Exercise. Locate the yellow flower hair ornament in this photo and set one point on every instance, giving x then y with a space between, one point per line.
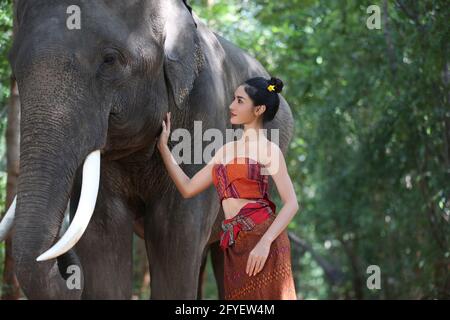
271 87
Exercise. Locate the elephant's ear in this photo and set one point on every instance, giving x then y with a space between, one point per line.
183 56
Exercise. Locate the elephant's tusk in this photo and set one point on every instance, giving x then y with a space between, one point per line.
8 220
86 205
66 221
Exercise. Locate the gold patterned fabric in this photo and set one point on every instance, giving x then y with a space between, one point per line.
275 280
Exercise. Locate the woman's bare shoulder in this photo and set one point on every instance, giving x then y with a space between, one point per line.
271 157
223 150
267 149
274 148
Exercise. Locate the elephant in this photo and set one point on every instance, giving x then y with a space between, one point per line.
93 100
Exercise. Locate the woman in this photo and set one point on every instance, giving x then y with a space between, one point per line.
257 261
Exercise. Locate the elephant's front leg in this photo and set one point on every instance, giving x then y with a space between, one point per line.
105 249
176 233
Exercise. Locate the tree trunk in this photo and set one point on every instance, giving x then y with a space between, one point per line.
10 288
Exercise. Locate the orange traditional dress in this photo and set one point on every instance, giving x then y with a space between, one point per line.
240 234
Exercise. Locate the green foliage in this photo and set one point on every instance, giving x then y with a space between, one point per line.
5 44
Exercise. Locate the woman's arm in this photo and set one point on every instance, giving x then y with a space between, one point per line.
188 187
278 170
280 175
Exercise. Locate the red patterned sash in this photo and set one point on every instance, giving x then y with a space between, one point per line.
250 215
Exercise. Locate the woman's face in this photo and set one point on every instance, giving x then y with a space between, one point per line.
242 109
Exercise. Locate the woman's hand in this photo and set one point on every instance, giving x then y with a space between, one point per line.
165 133
258 257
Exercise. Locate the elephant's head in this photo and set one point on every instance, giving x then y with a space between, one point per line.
101 89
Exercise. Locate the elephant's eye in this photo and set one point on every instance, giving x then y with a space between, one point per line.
112 65
109 59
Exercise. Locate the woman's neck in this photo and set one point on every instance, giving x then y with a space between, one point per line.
252 134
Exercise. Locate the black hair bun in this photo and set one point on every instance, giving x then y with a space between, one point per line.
278 84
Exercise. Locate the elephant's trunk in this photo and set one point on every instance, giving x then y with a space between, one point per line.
58 131
44 186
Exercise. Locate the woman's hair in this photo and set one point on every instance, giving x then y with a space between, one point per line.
257 90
